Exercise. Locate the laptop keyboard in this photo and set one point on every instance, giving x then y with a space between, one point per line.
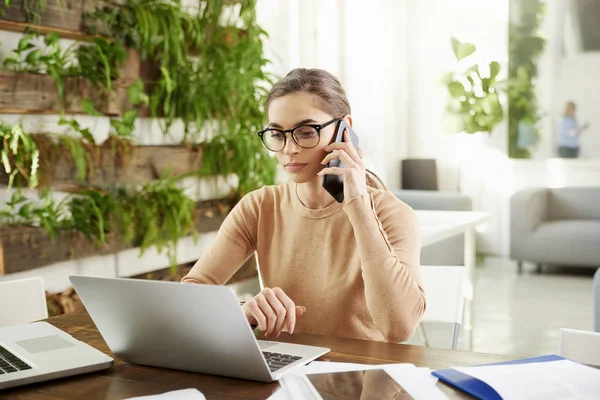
11 363
277 361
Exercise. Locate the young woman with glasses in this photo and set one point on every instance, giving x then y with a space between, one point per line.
346 269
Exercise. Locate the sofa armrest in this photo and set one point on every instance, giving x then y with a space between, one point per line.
434 200
528 210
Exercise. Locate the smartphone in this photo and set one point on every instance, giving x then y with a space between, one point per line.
334 184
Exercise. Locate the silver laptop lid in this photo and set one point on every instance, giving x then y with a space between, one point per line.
198 328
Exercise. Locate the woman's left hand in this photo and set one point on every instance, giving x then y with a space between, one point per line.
353 170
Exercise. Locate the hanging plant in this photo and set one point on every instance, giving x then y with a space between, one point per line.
20 156
525 46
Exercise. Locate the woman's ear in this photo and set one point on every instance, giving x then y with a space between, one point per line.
348 119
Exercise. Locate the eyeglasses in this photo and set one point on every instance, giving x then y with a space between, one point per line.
306 136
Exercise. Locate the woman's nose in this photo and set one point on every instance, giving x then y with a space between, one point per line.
290 146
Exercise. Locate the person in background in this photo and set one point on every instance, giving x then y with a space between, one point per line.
569 131
346 269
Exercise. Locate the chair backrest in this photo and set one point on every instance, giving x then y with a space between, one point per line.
22 301
579 346
444 292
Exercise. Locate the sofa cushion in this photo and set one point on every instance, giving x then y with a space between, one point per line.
576 232
571 242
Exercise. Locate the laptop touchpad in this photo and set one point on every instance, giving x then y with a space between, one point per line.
43 344
265 345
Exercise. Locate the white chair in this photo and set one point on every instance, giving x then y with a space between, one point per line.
579 346
445 294
22 301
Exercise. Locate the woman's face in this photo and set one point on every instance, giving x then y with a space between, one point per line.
287 112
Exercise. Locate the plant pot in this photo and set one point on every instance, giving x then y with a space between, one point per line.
113 163
30 247
27 93
54 15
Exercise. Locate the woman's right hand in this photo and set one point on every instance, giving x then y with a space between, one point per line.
273 311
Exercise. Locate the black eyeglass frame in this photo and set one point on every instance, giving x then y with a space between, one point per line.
291 131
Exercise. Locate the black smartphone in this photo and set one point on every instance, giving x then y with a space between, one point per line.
334 184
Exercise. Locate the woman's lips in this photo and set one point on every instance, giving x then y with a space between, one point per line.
294 167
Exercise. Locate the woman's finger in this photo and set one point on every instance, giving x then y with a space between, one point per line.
350 149
257 314
279 308
333 171
290 308
270 315
342 155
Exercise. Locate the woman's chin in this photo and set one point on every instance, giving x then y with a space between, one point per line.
302 178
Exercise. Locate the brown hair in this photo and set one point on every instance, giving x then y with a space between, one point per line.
330 93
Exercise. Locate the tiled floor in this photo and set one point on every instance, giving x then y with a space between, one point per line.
520 315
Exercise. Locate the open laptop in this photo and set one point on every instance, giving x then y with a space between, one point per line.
197 328
39 352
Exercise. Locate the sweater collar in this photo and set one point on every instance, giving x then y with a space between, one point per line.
312 213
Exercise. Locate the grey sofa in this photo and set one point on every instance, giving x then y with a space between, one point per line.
556 226
450 251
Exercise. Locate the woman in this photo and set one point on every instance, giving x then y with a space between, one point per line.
569 131
341 269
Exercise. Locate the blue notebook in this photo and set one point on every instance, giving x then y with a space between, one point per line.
480 389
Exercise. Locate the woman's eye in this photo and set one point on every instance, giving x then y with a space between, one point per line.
306 132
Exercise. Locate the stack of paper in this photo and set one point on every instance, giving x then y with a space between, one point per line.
557 379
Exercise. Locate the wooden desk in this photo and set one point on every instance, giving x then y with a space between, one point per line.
127 380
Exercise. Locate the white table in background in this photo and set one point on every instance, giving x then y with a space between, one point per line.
436 226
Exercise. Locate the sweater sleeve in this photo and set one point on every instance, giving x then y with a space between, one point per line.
389 244
235 242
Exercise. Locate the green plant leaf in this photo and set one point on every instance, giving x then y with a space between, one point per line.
130 116
33 57
88 108
462 49
51 39
456 89
494 69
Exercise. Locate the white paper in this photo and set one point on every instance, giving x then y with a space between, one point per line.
185 394
561 379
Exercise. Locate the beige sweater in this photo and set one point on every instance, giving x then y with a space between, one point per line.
354 266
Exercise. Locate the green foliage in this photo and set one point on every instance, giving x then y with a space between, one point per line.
20 156
125 126
73 124
46 213
222 87
97 61
79 156
157 214
474 105
525 48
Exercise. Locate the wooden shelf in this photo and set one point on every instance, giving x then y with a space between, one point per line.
23 248
20 27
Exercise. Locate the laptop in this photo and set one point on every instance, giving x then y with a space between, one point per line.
39 352
188 327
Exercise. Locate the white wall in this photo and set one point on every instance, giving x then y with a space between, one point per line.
363 44
431 25
566 74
